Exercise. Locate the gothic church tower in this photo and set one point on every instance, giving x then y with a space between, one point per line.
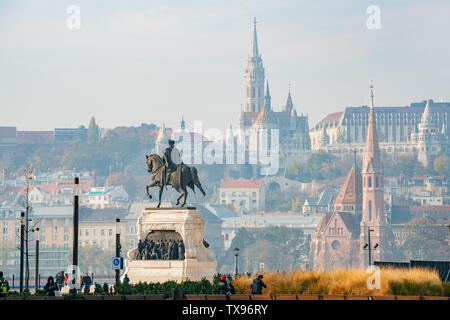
254 75
373 217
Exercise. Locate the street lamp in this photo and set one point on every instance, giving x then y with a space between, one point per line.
22 235
36 274
76 196
368 247
236 253
118 247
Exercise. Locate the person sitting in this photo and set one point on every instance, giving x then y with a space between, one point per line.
171 160
229 288
51 287
222 284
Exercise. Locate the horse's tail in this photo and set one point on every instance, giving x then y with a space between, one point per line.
195 180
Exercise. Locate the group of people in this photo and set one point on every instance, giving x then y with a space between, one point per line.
226 288
160 250
53 287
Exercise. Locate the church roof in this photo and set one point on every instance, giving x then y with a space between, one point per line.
351 223
289 104
265 116
251 184
351 190
323 223
372 158
332 117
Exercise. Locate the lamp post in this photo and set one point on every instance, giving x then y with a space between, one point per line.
118 247
76 195
22 234
368 245
29 176
36 273
236 253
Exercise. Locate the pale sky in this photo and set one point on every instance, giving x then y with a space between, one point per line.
152 61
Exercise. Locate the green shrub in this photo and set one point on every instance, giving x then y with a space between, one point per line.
407 287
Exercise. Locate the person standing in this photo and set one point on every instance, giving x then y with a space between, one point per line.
60 279
66 279
50 287
87 283
126 280
4 286
257 285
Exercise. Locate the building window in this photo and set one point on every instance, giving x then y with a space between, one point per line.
370 210
376 182
102 232
87 232
370 182
110 232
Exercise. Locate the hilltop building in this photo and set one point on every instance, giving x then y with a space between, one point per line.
420 128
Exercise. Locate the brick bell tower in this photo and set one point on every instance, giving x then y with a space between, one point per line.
373 217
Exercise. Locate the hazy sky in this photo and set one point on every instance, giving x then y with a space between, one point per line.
150 61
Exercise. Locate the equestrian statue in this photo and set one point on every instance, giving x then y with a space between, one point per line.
171 171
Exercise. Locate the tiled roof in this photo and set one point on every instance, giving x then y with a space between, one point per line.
7 132
351 191
332 117
35 136
350 222
251 184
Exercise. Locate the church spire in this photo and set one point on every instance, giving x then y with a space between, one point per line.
268 98
255 40
183 124
289 104
372 159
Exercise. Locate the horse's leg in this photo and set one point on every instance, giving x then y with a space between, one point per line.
185 196
160 195
178 199
151 185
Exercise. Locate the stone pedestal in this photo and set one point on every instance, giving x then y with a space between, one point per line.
198 262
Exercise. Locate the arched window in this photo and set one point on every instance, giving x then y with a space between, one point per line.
370 182
370 210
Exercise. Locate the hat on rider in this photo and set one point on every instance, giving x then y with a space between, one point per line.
171 142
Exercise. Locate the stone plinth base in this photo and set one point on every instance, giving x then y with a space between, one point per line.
198 260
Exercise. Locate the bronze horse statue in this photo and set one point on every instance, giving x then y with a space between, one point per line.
184 176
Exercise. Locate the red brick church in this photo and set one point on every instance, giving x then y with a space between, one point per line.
341 238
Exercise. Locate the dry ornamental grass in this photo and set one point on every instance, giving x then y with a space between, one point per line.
413 281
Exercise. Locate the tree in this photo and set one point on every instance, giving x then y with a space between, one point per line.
92 133
442 165
426 240
280 248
